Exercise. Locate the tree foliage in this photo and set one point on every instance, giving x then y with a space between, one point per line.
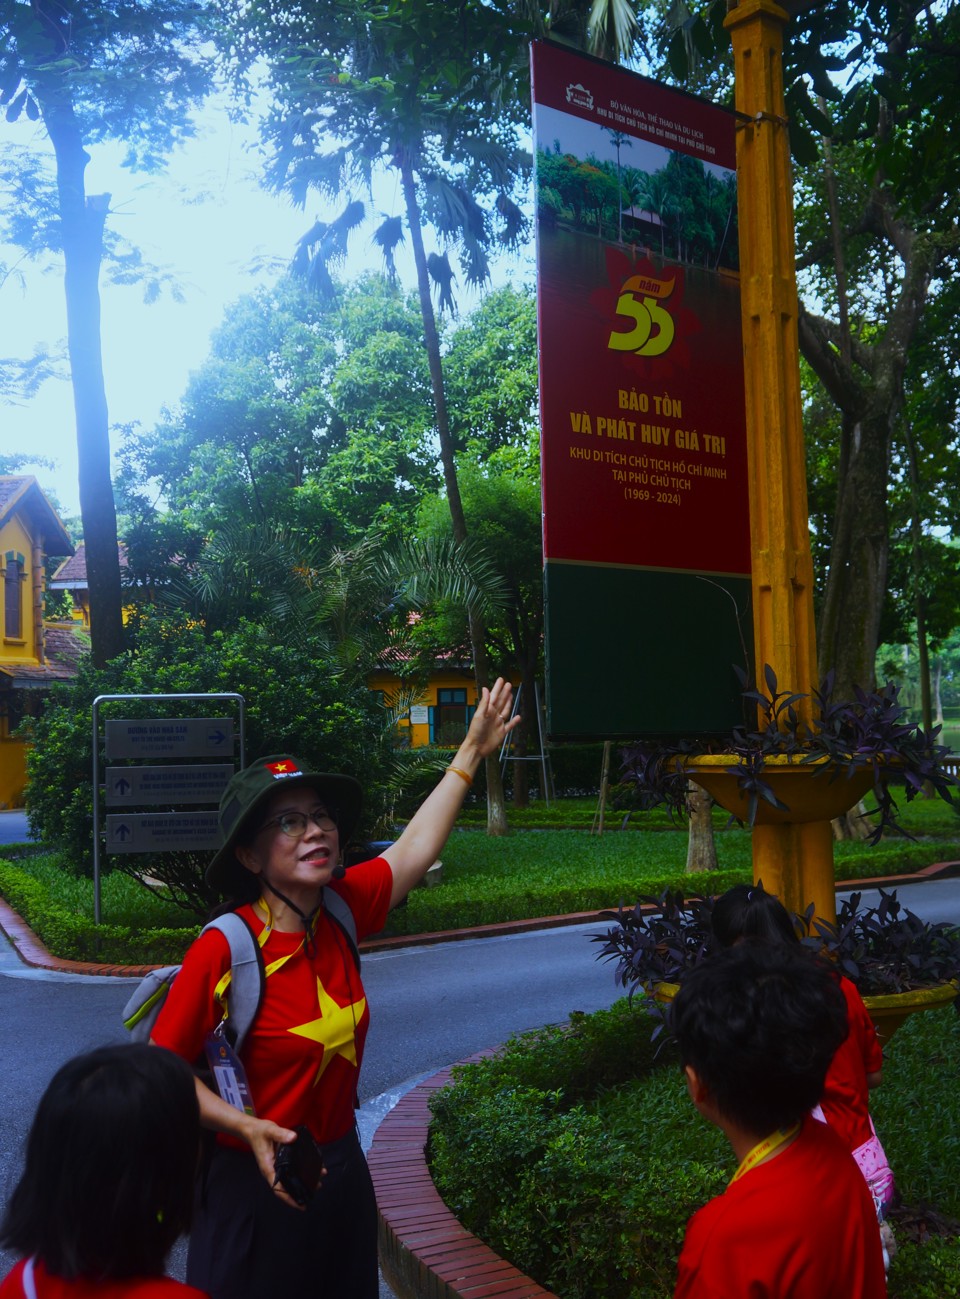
296 702
309 414
870 109
92 71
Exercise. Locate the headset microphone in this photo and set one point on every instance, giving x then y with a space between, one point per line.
338 872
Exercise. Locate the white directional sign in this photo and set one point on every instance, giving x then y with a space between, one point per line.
187 783
163 832
172 737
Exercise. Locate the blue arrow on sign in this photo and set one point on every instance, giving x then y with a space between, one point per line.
217 737
122 831
122 785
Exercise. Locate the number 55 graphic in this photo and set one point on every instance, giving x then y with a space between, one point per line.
652 325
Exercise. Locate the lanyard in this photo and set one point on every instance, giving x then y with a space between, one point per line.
220 991
763 1148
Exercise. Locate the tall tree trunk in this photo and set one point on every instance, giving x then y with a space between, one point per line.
701 844
856 581
496 804
920 598
869 393
82 220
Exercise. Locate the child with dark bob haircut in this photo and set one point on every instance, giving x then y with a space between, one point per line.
108 1180
749 912
757 1027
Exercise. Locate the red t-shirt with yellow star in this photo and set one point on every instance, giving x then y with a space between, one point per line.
303 1054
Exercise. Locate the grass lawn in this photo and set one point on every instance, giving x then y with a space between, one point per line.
531 872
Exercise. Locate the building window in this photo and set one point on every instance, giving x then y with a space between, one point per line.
13 575
450 717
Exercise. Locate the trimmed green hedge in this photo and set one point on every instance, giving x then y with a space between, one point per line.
559 872
486 880
853 860
577 1154
528 1160
576 773
75 937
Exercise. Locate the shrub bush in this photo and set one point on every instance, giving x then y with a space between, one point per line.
75 938
296 702
539 1172
577 1154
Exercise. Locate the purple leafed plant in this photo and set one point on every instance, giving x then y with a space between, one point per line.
870 731
882 949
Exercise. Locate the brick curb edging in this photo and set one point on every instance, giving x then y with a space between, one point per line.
32 951
425 1252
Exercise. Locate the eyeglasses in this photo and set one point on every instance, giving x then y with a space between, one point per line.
294 824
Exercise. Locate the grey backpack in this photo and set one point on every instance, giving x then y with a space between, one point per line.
246 974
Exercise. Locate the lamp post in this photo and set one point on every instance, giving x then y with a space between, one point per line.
795 861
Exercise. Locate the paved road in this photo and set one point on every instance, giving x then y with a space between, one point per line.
13 827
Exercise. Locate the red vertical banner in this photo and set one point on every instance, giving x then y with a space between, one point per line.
645 490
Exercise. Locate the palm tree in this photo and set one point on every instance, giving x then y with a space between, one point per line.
619 141
354 603
654 198
605 28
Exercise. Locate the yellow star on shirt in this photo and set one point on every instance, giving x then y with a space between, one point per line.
335 1030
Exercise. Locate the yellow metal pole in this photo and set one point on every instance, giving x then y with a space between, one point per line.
794 861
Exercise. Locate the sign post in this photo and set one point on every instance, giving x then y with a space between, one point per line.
141 739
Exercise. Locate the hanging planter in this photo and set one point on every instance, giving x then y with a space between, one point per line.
794 768
795 789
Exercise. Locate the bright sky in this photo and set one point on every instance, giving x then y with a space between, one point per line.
219 234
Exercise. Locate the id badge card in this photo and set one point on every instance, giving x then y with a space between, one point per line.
228 1072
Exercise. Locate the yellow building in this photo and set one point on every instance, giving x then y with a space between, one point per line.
442 713
33 653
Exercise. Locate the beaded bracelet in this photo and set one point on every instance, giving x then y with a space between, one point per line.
457 771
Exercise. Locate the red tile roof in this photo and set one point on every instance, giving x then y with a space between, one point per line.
63 647
72 573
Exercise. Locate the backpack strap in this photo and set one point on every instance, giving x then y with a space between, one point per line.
338 909
247 976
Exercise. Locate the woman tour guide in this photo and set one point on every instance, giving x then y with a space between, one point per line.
284 830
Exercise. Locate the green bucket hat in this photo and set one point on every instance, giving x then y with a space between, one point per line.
249 789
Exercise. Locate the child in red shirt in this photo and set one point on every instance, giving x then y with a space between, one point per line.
747 911
108 1182
756 1027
